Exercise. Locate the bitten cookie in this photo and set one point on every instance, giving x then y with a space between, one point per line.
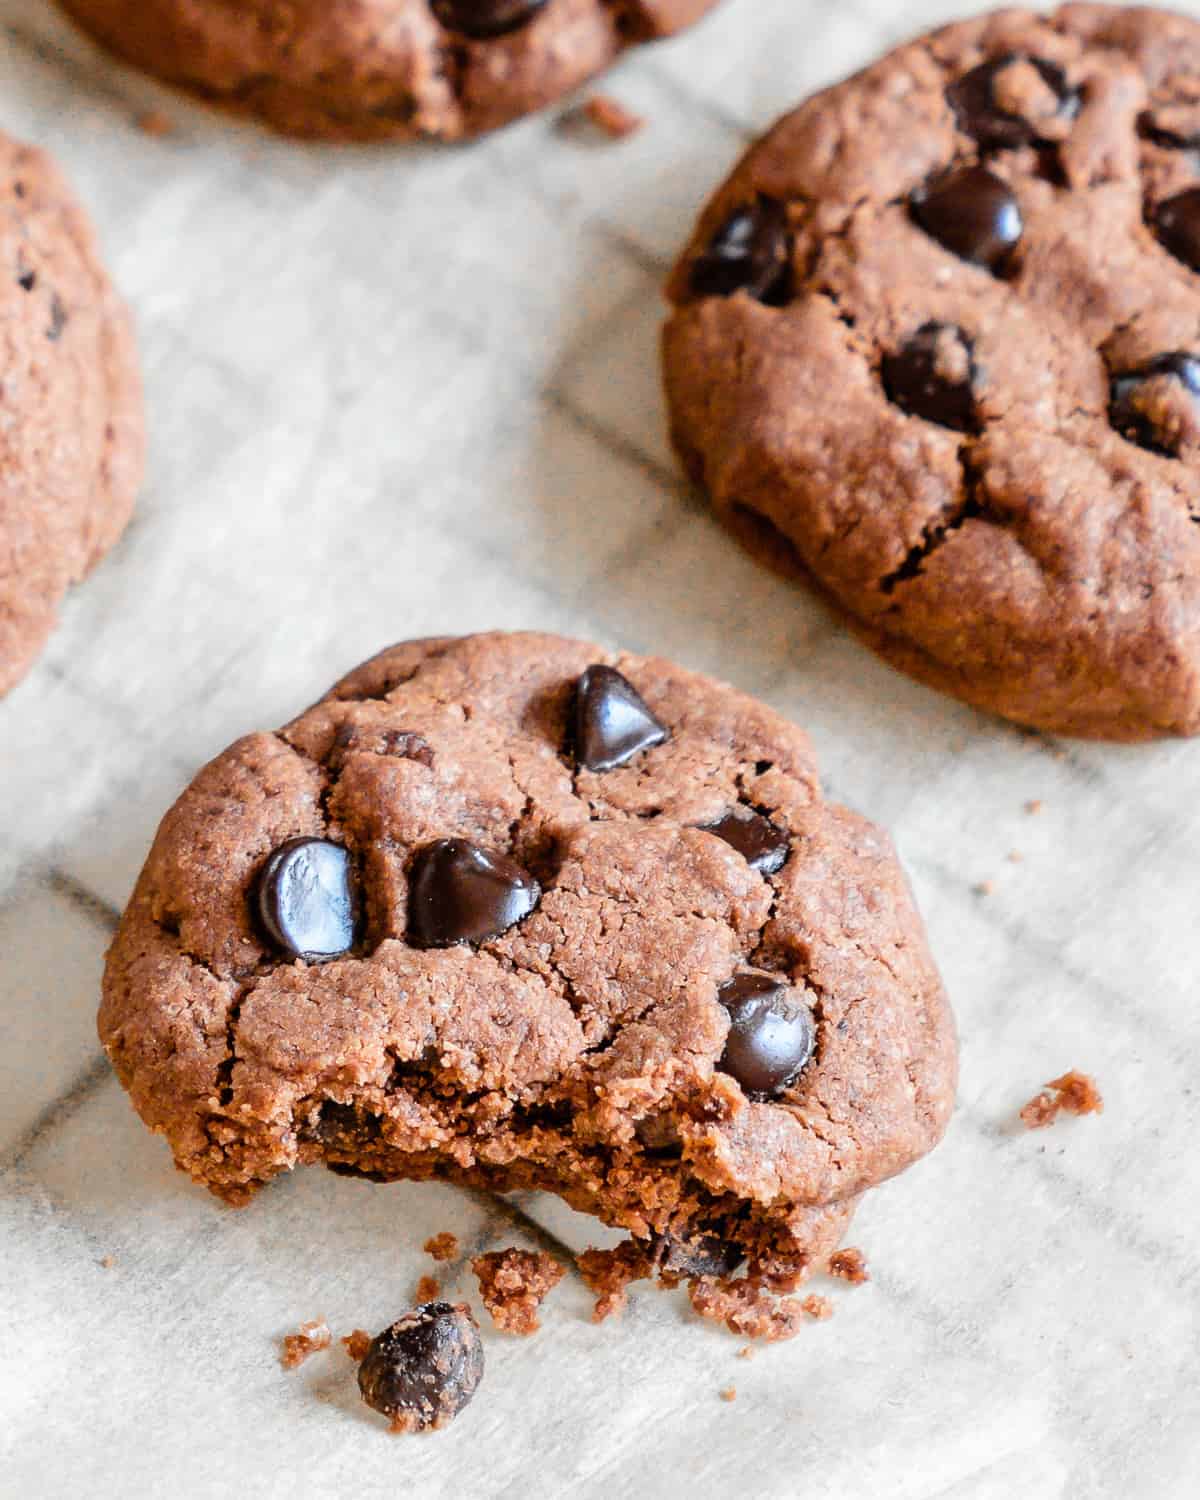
937 344
379 69
71 440
517 912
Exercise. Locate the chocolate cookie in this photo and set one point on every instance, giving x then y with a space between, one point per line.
380 69
936 343
71 440
513 911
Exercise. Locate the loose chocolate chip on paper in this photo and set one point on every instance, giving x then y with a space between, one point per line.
460 893
423 1370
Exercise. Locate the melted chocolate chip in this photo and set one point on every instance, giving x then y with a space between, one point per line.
306 899
933 376
704 1255
771 1035
1136 413
973 99
611 721
1177 225
460 893
762 844
481 19
424 1369
751 252
973 213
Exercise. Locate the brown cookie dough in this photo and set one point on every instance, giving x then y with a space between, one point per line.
683 992
936 344
71 441
379 69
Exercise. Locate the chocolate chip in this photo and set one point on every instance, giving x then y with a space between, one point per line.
933 376
1144 404
1149 129
27 280
762 844
973 213
751 252
771 1035
306 899
424 1369
1177 225
611 721
703 1255
481 19
460 893
980 115
58 318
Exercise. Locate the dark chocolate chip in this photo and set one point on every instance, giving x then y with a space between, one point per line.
1136 413
771 1035
751 252
611 721
27 280
306 899
460 893
973 99
1149 129
933 376
1177 225
424 1369
481 19
973 213
703 1255
762 844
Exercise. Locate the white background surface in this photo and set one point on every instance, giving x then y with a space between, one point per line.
407 392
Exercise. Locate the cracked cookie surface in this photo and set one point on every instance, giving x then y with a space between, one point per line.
71 441
581 1041
936 344
380 69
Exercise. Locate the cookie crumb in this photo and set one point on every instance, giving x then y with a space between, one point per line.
747 1309
429 1289
442 1246
849 1265
1015 857
984 888
308 1340
608 1273
1034 807
747 1351
729 1393
155 122
611 118
514 1284
820 1309
1074 1092
357 1344
107 1262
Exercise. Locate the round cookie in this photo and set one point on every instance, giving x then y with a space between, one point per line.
517 912
360 70
936 344
71 441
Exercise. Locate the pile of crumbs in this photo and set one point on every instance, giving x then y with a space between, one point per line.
513 1285
746 1308
1075 1093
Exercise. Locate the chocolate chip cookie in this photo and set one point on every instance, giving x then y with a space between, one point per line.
516 912
936 344
71 439
379 69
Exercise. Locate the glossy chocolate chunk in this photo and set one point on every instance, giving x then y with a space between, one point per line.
1177 225
762 844
933 376
611 721
306 899
751 252
771 1035
973 213
424 1369
1144 404
980 114
481 19
460 893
